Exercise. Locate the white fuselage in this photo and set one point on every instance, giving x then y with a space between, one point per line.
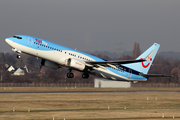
60 55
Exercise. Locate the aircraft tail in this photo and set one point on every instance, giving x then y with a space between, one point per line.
148 55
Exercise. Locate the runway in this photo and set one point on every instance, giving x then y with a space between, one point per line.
86 92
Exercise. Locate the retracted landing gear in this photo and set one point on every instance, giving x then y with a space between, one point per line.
70 74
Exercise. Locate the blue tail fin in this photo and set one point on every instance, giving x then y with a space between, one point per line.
149 56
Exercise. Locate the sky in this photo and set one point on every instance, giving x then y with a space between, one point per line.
94 25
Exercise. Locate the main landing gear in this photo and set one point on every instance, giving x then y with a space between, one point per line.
85 75
71 75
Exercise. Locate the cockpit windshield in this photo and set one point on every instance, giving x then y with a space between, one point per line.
17 37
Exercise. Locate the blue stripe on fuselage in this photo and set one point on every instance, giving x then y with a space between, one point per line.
41 44
125 72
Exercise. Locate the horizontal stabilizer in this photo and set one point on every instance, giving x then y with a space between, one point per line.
155 75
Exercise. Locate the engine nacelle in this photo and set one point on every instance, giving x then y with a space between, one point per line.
74 63
49 64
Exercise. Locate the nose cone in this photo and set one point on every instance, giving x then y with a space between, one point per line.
6 39
9 42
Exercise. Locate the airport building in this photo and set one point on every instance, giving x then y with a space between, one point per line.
104 83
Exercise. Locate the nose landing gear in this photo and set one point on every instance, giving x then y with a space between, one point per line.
18 56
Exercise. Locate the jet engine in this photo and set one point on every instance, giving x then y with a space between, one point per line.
75 63
49 64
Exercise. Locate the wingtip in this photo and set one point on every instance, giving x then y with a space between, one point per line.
156 44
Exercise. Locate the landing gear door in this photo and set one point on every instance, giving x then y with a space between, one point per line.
30 41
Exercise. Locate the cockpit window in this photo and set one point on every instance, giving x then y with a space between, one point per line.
17 37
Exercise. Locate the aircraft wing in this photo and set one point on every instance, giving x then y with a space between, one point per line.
156 75
109 63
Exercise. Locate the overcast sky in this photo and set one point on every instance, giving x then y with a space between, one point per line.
90 25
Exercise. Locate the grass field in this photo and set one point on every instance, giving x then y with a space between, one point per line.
91 106
39 89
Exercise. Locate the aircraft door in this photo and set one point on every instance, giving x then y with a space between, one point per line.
66 62
30 41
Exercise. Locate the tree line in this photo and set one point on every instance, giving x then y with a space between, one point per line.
160 65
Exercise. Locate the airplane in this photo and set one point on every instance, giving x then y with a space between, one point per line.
55 56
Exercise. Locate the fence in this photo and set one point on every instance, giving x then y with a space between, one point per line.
155 85
46 84
83 85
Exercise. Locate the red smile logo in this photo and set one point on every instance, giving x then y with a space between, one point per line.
145 66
